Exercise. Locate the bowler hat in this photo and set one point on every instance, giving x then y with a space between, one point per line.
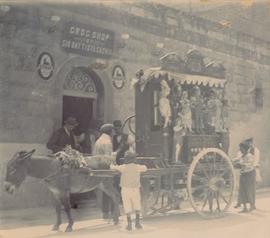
71 121
106 128
117 123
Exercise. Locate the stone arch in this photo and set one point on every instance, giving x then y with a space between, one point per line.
100 77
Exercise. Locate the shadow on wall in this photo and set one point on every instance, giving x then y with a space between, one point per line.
258 128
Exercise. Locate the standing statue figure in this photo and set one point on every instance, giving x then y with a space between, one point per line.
214 107
197 107
219 121
177 94
186 112
164 103
225 115
179 131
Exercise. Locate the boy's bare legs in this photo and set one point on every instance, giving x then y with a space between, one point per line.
129 224
137 221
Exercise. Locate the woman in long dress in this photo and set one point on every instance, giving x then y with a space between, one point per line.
247 177
197 108
164 103
179 132
214 107
186 112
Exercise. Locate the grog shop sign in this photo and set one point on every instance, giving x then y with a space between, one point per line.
87 40
45 65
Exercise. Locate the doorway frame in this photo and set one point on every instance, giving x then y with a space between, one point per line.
60 76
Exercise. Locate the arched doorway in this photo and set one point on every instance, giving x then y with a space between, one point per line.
83 97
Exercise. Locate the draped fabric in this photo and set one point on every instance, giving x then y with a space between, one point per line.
155 73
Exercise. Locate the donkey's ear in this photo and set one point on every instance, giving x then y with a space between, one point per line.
30 153
25 155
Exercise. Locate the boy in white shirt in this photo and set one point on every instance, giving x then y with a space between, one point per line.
130 187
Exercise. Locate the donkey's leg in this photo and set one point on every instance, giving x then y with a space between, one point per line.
98 193
58 218
66 202
107 186
57 204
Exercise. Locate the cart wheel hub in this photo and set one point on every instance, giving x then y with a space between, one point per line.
216 183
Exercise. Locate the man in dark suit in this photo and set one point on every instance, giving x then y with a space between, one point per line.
63 136
60 139
120 142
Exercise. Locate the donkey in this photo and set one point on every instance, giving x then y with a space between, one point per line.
60 181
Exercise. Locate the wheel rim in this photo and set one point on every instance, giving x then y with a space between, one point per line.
131 122
158 198
211 183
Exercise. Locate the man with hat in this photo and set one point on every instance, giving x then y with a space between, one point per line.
120 141
63 136
130 187
104 146
60 139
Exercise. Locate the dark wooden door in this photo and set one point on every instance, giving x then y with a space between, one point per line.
80 108
148 133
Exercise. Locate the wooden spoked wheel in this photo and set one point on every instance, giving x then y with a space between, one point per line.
150 195
211 183
157 196
130 121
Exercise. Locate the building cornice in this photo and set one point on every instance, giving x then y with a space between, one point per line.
162 29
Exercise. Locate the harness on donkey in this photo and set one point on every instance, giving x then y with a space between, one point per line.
64 173
70 161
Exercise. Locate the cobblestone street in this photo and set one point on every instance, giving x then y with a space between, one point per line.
36 223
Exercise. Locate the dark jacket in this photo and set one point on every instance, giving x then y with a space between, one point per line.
60 139
120 147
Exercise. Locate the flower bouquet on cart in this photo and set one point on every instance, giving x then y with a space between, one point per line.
74 159
71 158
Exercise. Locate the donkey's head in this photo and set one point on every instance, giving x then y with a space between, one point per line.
17 170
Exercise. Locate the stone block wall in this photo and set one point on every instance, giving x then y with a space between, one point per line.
31 107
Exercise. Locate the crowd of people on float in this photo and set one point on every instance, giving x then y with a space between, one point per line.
195 111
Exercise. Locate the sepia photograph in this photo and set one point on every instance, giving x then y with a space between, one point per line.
134 118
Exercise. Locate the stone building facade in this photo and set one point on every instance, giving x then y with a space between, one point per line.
45 63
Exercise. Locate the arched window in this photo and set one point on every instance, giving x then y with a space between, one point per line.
80 83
